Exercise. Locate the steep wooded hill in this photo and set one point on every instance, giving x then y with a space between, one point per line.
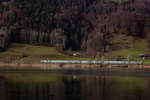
72 24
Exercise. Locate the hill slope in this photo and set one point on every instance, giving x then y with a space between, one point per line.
25 53
122 47
72 24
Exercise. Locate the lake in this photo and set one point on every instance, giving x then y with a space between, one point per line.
76 86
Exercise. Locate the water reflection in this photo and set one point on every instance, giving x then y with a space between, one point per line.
31 86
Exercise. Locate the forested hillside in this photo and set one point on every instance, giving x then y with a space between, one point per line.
86 25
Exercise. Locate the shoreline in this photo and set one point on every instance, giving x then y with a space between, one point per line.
71 66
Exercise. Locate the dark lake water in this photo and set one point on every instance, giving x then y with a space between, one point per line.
48 86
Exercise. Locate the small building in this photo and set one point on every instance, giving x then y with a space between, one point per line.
145 56
77 54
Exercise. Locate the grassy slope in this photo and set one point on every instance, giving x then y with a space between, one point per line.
35 53
124 46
